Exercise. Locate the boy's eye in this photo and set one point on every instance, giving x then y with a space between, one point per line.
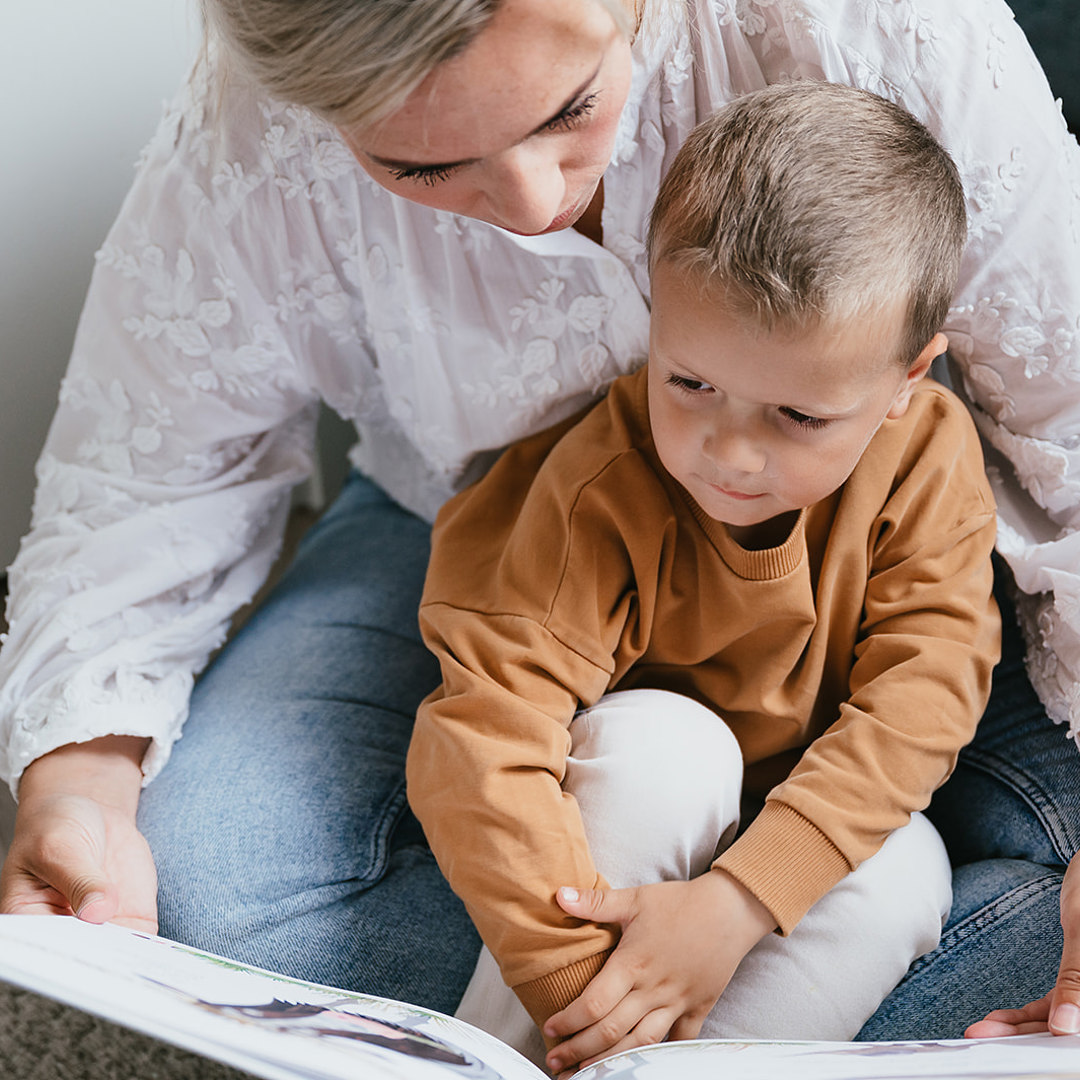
688 385
802 420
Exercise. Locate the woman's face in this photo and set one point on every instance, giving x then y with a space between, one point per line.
517 129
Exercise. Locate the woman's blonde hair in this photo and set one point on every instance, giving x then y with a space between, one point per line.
351 61
808 204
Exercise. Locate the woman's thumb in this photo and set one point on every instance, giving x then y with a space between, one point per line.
1065 1002
95 907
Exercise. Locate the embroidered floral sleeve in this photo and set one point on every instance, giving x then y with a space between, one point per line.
967 71
182 425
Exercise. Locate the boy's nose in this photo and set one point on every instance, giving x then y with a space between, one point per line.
735 452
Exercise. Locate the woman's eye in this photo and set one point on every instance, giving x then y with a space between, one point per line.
569 118
431 175
802 420
688 385
422 174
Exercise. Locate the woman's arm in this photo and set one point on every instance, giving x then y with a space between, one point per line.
76 849
184 420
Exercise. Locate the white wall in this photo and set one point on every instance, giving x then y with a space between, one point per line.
82 84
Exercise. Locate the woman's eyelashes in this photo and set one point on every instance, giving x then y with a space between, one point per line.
429 175
567 120
573 114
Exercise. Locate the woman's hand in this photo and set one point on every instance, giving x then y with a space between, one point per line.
1059 1011
681 942
76 850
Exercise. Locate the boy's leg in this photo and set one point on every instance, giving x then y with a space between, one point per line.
657 777
280 826
825 978
1010 817
646 823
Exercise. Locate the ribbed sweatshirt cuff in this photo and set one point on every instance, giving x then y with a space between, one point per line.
549 994
786 861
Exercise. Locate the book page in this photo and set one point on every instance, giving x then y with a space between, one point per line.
258 1021
1032 1057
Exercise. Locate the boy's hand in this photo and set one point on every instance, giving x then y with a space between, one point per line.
681 942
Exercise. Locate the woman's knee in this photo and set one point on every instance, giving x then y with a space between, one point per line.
657 777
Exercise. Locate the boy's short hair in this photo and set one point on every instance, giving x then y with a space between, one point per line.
810 203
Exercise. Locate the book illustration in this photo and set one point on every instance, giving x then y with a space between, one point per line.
339 1020
263 1022
276 1027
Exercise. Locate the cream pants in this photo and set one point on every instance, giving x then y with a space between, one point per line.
658 778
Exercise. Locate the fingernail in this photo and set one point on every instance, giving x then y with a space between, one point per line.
569 894
1066 1019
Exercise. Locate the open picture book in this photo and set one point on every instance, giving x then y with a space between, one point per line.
271 1026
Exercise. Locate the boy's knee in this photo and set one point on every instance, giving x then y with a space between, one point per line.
658 777
658 728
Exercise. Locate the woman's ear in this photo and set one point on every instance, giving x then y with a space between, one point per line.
915 374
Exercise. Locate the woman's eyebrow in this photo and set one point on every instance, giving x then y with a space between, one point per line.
394 163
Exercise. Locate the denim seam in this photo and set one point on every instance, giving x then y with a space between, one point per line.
987 915
381 832
1032 793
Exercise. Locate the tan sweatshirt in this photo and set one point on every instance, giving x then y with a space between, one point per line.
852 662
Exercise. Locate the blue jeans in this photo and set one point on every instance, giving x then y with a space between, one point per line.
280 826
283 838
1010 818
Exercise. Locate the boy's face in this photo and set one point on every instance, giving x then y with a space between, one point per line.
756 424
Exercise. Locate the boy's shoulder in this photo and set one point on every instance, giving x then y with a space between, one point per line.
546 475
935 445
607 440
936 420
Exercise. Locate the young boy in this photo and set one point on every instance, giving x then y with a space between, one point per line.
778 520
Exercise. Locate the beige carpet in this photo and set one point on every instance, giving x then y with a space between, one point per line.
41 1039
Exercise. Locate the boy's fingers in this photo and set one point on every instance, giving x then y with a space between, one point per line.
603 994
627 1026
686 1027
598 905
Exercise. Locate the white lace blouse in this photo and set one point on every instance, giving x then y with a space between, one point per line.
255 269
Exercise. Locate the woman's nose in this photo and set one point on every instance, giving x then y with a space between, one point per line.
525 189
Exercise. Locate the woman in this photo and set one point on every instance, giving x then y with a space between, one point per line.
431 216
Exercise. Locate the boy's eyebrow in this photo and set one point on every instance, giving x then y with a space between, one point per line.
394 163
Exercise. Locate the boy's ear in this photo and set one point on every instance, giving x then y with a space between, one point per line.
915 374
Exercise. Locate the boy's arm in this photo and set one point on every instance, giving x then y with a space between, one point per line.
532 608
484 771
927 644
